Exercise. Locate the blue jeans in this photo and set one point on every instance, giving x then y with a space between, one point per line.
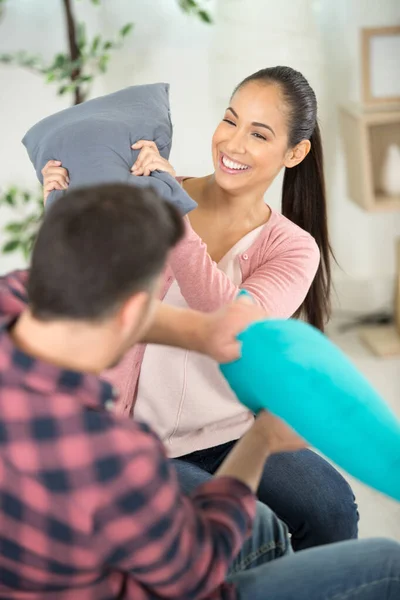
270 538
266 568
303 489
352 570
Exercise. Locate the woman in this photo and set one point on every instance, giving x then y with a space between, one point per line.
234 240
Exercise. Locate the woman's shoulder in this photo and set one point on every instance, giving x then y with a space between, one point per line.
281 234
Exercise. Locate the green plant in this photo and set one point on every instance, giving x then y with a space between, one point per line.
21 234
192 7
73 71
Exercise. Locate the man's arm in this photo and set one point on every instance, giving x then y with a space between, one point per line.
176 546
213 334
177 327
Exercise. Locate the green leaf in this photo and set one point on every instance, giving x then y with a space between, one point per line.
108 45
81 36
27 197
11 197
63 90
187 5
96 2
103 62
95 44
59 61
14 227
204 16
126 29
6 58
11 246
85 78
50 77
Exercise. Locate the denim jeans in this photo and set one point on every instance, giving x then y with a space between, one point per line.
352 570
270 538
267 569
302 488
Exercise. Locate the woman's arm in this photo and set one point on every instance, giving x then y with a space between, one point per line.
279 285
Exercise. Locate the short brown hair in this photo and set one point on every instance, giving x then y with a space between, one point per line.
98 245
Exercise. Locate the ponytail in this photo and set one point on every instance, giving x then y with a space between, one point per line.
303 195
304 203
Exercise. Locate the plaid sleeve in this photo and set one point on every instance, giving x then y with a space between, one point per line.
13 296
176 546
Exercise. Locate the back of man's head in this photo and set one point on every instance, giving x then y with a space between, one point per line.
98 246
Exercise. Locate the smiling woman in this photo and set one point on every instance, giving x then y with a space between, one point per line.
235 240
253 138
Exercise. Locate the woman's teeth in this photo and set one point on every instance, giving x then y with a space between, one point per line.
233 165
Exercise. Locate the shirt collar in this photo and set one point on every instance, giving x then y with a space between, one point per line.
17 367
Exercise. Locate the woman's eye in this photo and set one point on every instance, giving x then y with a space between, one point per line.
260 137
228 121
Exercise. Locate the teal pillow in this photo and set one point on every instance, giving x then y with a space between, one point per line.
293 370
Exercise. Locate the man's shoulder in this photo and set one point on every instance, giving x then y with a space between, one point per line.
13 294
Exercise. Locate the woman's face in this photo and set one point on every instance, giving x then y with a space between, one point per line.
250 145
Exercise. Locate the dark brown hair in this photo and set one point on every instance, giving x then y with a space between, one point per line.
96 247
303 194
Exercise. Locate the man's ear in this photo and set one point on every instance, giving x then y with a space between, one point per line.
132 310
295 155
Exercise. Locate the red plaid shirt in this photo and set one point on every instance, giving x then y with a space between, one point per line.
90 506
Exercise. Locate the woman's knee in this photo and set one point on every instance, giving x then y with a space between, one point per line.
312 497
336 512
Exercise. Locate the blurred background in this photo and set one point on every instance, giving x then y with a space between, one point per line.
54 53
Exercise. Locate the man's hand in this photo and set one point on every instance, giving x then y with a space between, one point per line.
219 331
276 434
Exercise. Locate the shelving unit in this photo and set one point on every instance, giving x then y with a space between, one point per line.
384 340
367 134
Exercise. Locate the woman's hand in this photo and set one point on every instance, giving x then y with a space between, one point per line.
55 177
149 160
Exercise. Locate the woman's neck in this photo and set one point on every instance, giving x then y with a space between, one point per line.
241 208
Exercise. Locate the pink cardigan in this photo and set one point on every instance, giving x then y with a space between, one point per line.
277 270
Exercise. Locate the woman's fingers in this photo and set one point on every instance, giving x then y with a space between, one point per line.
49 187
60 177
49 164
145 155
143 144
155 164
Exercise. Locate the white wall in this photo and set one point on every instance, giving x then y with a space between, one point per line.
253 35
24 99
166 45
364 243
202 64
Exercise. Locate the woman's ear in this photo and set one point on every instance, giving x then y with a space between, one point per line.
295 155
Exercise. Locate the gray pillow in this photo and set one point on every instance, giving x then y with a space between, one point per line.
93 141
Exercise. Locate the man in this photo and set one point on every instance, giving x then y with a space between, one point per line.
90 506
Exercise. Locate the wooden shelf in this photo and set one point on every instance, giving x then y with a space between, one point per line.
367 135
382 340
386 203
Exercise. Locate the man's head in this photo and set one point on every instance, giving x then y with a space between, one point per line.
98 259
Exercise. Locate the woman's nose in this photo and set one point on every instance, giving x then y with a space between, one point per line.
236 143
